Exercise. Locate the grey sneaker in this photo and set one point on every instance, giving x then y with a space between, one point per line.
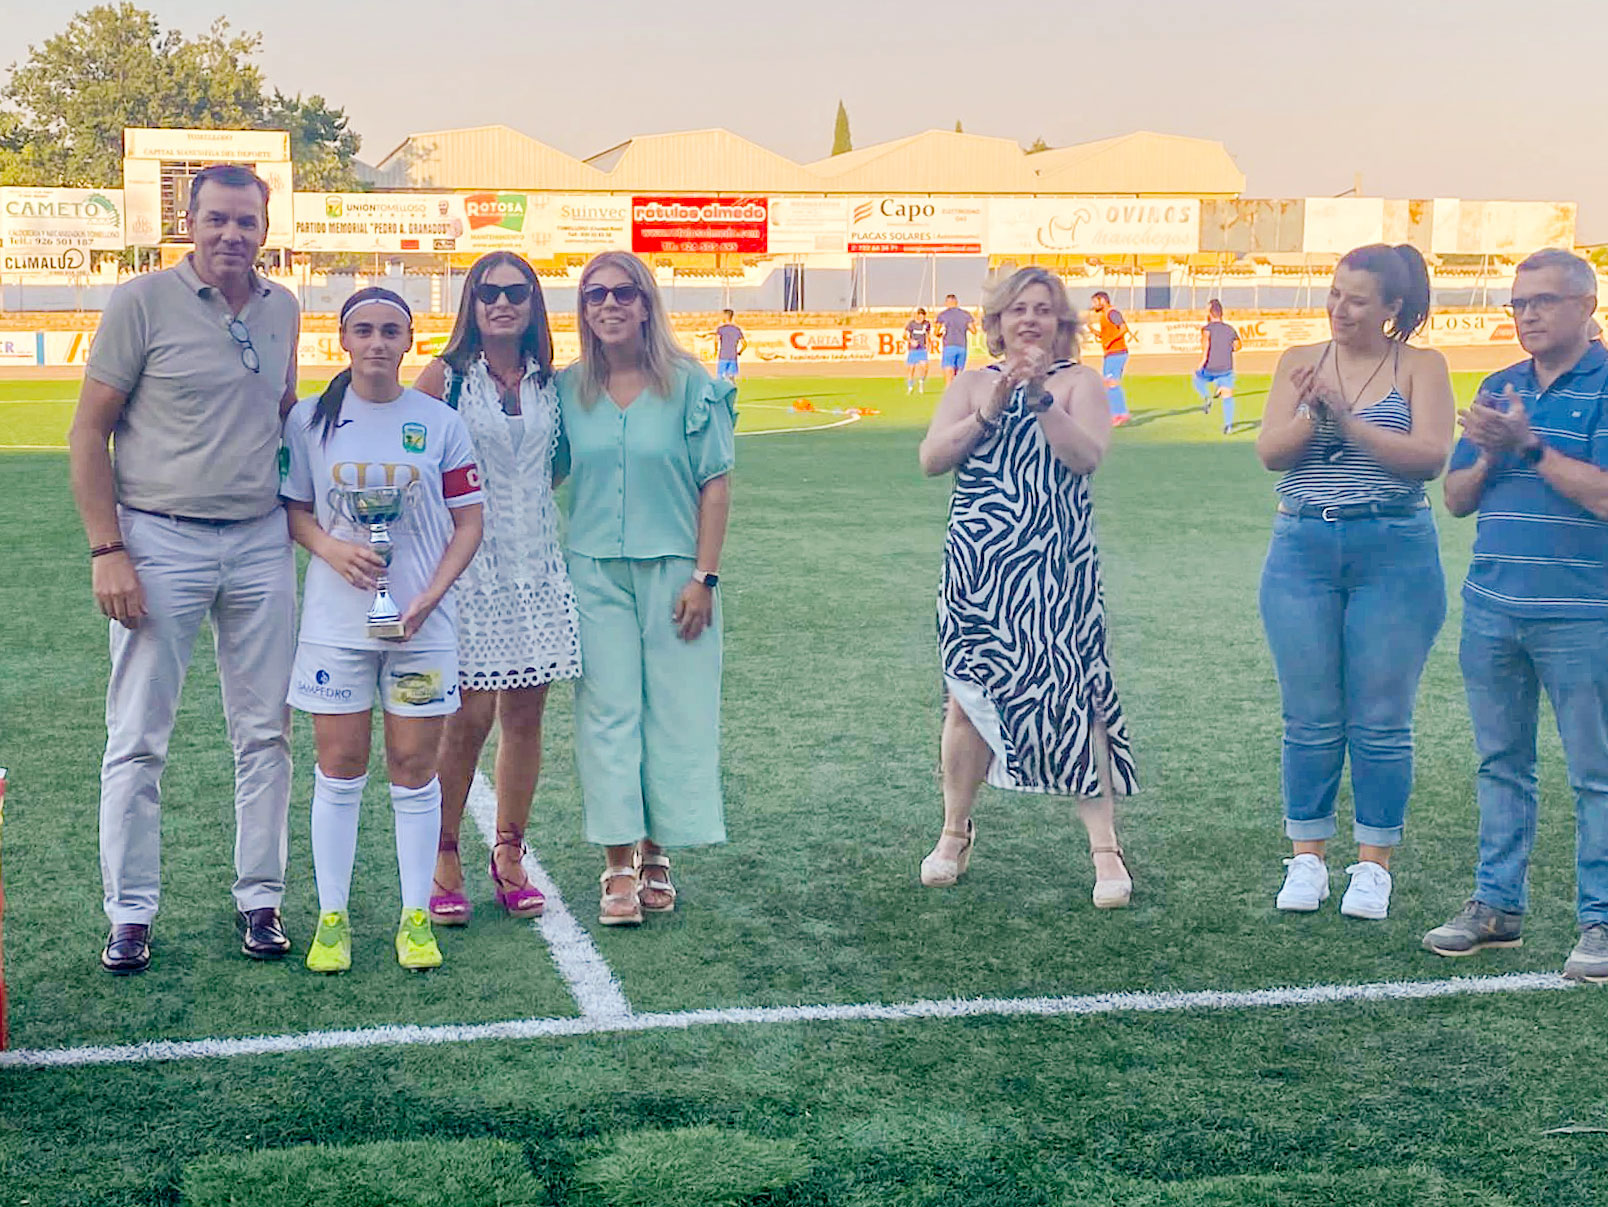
1477 925
1589 959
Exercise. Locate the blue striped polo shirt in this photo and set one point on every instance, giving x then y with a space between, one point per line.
1537 552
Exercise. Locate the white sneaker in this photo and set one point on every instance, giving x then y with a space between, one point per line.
1306 884
1369 893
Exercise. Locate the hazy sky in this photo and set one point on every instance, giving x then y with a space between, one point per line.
1424 98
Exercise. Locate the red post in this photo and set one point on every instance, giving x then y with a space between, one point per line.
3 1039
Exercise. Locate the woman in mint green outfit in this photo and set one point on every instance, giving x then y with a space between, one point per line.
648 445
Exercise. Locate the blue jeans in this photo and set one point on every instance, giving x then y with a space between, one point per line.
1351 609
1111 368
1506 661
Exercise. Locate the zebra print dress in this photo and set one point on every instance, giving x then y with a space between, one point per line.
1021 624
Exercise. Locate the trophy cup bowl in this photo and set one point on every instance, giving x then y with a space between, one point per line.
376 508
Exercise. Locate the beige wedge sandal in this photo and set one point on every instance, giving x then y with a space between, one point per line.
937 872
1112 894
619 909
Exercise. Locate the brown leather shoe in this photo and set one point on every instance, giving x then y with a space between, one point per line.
128 949
262 933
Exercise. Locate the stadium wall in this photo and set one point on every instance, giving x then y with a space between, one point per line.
873 340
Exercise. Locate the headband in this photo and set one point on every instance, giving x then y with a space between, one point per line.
379 298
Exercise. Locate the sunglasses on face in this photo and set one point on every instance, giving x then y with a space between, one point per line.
596 295
517 295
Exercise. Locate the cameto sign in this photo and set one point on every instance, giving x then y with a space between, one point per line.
54 230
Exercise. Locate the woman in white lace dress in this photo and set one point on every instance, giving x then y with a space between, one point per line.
516 611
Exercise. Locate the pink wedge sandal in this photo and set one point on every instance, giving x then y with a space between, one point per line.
448 909
520 900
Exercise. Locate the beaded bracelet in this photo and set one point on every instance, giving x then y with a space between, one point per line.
103 550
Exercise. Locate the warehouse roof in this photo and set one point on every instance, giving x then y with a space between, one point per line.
482 157
687 161
1141 162
718 161
934 161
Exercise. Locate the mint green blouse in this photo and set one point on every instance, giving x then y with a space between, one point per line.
635 474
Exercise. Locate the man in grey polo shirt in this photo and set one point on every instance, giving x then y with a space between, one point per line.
190 373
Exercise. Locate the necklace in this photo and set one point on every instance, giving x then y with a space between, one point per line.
508 394
1351 402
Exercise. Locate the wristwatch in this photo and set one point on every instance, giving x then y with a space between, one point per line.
1045 401
707 578
1531 454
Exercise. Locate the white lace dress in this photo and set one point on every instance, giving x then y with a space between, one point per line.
516 610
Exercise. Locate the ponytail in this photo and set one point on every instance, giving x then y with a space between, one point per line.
1402 276
1414 312
328 409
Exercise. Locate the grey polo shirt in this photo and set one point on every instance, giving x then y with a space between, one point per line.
199 434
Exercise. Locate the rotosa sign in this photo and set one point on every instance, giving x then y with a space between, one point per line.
496 222
916 226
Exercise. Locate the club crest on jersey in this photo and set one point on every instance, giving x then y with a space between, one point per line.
413 437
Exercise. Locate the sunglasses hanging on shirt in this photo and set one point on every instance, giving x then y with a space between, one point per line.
242 338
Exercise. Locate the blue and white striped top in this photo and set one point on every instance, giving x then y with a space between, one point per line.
1538 553
1332 470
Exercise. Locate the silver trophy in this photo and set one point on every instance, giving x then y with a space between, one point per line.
376 508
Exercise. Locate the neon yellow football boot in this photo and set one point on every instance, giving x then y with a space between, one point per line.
415 943
331 949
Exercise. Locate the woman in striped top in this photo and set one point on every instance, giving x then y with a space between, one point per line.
1352 593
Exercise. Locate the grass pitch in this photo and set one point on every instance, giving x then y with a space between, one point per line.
831 717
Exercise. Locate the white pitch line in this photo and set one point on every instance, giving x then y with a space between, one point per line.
794 431
591 982
1209 1000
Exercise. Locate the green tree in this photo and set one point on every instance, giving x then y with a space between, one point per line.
13 150
841 141
958 130
322 143
114 66
1038 145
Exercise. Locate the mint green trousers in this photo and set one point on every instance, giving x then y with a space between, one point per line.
647 706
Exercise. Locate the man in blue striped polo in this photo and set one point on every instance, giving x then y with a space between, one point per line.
1533 461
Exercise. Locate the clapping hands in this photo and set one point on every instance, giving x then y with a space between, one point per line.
1497 425
1324 403
1030 364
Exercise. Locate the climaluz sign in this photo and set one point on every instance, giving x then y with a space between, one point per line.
700 224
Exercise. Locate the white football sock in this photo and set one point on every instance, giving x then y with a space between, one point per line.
335 812
418 830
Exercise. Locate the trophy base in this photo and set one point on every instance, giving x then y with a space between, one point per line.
386 630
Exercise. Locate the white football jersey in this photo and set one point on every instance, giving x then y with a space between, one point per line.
415 442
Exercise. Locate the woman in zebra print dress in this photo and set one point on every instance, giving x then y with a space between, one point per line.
1021 625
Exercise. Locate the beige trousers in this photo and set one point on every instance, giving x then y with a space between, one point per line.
242 578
